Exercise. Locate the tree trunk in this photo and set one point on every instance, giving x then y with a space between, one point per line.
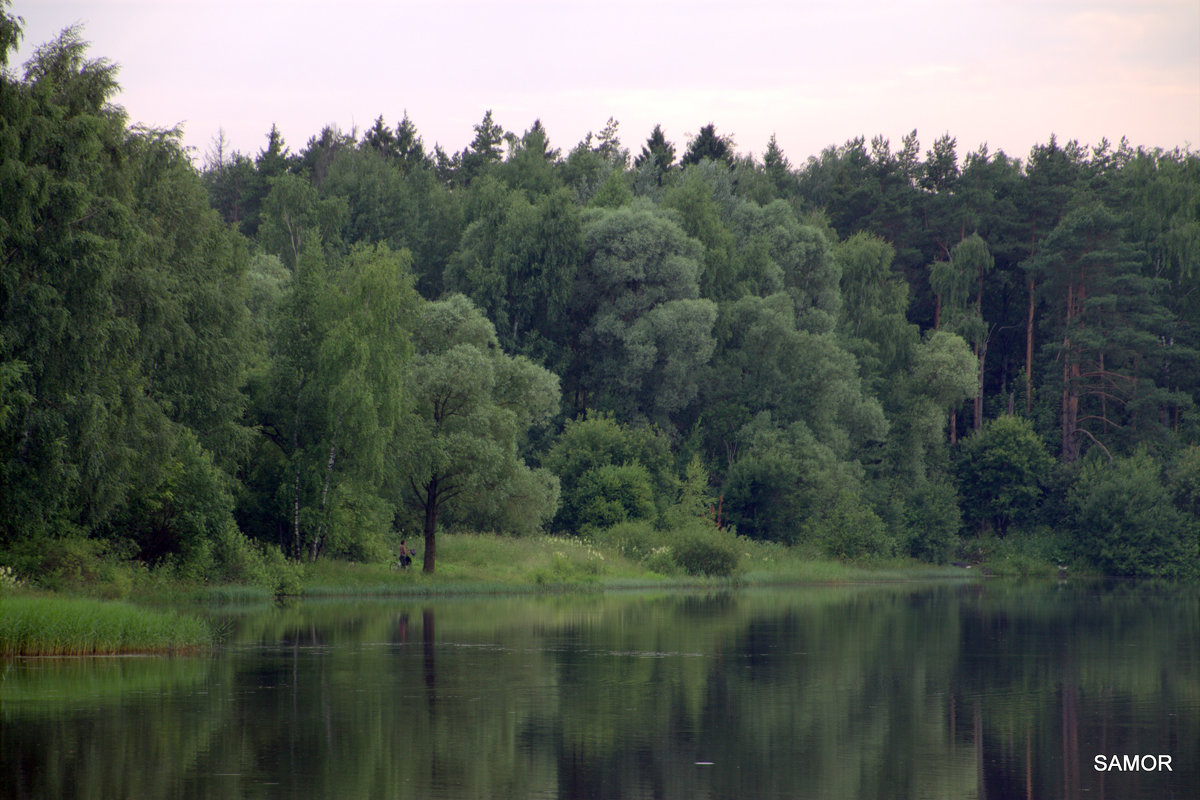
980 351
980 356
431 512
1029 353
296 516
1070 391
1076 294
318 542
296 549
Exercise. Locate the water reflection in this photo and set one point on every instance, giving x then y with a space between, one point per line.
988 691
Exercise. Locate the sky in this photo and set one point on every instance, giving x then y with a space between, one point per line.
815 73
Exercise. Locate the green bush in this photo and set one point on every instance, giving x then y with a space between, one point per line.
852 530
236 559
662 561
9 580
66 563
609 472
634 539
1184 479
700 550
610 494
932 520
1126 523
693 549
1001 472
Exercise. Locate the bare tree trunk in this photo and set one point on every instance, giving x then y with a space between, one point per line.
431 512
1070 405
318 542
296 483
980 352
1076 292
296 497
1029 353
980 355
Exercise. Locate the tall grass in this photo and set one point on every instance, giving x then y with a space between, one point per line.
63 626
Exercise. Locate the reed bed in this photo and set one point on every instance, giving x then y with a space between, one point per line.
64 626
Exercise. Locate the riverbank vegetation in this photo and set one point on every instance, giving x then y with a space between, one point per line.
223 373
41 625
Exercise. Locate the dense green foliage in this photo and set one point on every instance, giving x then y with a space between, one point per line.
316 353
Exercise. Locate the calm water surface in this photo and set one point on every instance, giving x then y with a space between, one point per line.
914 691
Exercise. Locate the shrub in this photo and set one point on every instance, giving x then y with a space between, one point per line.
852 530
1125 522
695 548
9 581
932 520
1001 472
700 550
662 560
608 471
610 494
66 563
633 539
1184 479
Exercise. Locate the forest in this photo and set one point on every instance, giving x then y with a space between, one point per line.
886 350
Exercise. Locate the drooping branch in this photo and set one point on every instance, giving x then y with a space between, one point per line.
1096 441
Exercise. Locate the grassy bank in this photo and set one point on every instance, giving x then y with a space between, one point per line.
83 619
36 625
480 563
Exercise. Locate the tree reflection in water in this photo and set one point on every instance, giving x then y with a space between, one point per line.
992 691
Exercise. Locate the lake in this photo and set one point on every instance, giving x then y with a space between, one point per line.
924 690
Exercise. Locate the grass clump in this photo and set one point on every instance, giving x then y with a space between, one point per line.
63 626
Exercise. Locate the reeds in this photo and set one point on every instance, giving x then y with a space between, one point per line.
63 626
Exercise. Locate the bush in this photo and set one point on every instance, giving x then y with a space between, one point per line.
637 540
694 549
609 472
1184 479
932 520
852 530
1126 523
236 559
66 563
1001 472
700 550
611 494
9 581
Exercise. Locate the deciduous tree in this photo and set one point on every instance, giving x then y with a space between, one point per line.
470 405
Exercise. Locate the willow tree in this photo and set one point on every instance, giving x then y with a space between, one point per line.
469 405
641 332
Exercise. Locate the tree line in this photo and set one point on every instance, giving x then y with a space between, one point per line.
878 352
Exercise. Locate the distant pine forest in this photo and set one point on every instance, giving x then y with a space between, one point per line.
886 350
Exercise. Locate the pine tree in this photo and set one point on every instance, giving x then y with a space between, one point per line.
707 144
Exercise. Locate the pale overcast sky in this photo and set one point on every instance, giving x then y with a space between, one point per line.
818 72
